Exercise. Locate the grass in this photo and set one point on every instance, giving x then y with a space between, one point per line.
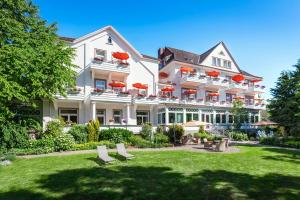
254 173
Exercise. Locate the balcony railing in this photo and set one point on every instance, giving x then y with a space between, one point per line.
75 93
110 96
110 66
255 89
193 80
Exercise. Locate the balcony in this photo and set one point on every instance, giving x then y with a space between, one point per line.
76 94
255 106
256 89
193 80
235 87
192 101
151 100
166 99
215 83
106 67
111 96
219 104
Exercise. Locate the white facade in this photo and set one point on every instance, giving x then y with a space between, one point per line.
97 69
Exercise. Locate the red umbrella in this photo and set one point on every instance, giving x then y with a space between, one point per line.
168 89
163 75
256 80
238 78
186 69
140 86
190 91
117 84
213 94
213 73
120 55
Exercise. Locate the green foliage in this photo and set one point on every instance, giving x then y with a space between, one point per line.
54 128
35 63
93 145
197 135
139 142
93 130
238 136
292 142
79 132
284 106
159 129
13 135
8 156
117 135
239 113
175 132
64 142
147 131
160 138
201 129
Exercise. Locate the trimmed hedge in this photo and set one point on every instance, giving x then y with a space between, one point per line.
93 145
116 135
290 142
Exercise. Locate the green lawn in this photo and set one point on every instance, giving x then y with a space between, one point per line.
254 173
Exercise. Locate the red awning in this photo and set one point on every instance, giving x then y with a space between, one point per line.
117 84
238 78
167 89
190 91
238 97
213 94
120 55
213 73
163 75
140 86
186 69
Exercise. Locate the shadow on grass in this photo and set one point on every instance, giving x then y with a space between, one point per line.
285 155
136 182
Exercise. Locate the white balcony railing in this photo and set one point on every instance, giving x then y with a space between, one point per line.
111 67
76 93
110 96
256 89
193 79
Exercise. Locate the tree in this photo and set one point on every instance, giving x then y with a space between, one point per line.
34 63
240 114
284 107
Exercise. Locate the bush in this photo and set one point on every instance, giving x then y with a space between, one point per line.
54 128
13 135
79 132
147 132
116 135
238 136
138 141
161 138
93 145
64 142
197 135
291 142
93 130
159 129
8 156
178 131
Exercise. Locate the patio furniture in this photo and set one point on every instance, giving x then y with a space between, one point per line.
207 144
122 151
103 154
226 142
221 146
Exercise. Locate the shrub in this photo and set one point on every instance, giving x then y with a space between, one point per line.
64 142
93 145
176 131
32 151
238 136
8 156
147 132
291 142
79 132
41 143
54 128
13 135
116 135
159 129
93 130
197 135
201 129
138 141
161 138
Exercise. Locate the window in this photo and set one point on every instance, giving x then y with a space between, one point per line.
249 100
223 116
211 98
117 115
100 84
214 61
69 114
229 97
189 117
230 119
171 117
225 63
229 64
179 117
142 117
252 119
218 118
203 118
100 113
218 62
109 40
100 54
256 118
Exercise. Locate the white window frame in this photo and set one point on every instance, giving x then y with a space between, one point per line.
68 115
142 115
101 115
100 56
119 115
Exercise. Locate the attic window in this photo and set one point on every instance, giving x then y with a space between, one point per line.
222 53
188 59
109 40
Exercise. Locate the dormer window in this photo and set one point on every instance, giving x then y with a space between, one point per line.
109 40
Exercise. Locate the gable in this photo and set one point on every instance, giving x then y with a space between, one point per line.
220 54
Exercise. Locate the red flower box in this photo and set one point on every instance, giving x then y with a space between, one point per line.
98 59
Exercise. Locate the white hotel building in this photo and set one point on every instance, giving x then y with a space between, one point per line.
122 87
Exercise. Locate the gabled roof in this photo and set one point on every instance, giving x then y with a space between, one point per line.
149 57
196 59
106 28
67 39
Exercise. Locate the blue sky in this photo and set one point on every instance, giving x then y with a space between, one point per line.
262 35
